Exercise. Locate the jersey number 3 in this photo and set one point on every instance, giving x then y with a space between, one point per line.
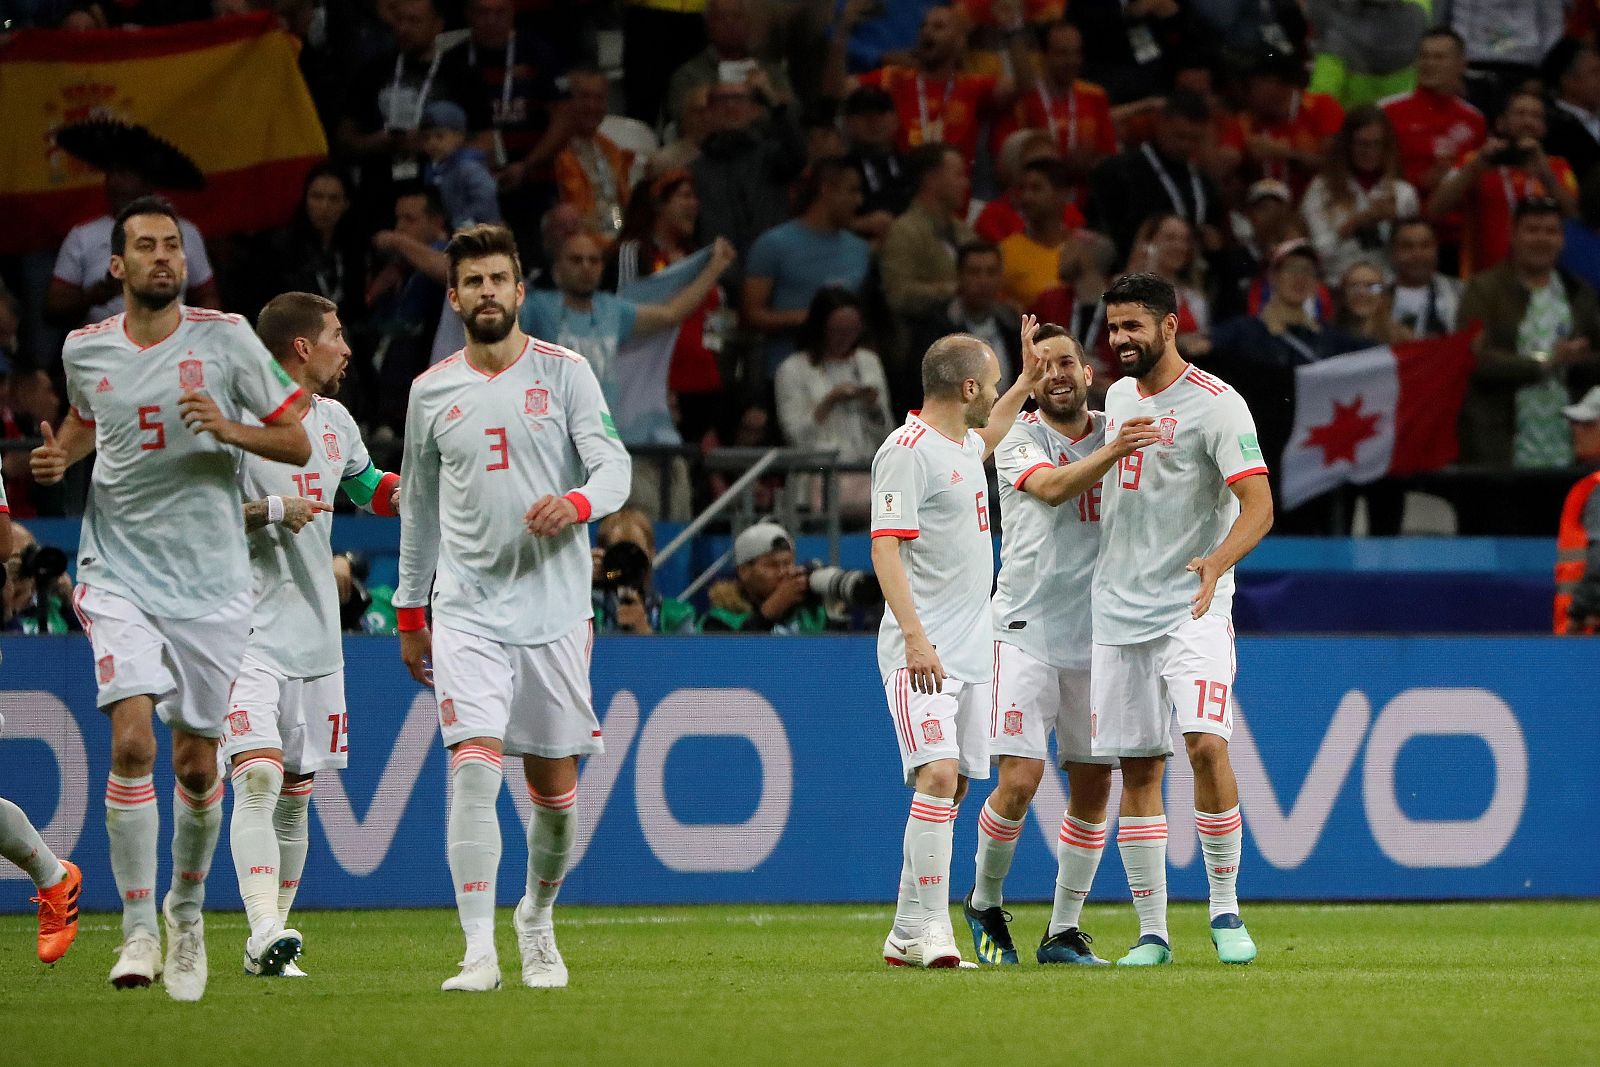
498 446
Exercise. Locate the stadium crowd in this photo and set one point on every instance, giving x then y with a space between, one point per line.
1316 177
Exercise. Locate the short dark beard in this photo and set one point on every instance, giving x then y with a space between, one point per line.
488 335
1149 356
1069 413
153 301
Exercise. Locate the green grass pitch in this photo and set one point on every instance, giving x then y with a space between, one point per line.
1414 985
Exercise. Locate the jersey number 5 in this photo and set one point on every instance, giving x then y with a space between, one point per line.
1131 468
156 426
309 485
497 445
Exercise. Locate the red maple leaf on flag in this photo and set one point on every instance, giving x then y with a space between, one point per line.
1340 435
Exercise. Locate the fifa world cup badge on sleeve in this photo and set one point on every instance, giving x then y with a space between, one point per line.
888 505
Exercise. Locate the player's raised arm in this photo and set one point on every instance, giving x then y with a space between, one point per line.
419 540
1009 406
1056 485
606 461
51 460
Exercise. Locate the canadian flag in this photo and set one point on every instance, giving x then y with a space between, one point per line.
1375 413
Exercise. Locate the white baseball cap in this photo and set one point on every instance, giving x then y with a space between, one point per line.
1587 409
765 536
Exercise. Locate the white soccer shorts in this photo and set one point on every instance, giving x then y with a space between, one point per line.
1031 699
534 698
930 727
1136 689
186 665
304 718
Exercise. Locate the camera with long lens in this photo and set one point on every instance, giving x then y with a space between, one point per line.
624 566
856 588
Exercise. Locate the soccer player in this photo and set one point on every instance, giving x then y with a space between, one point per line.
1050 466
934 557
287 717
59 881
160 392
1175 518
509 451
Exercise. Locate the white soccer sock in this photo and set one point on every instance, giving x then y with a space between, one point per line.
1222 843
907 909
1078 851
1143 844
550 836
253 841
132 824
196 825
474 837
289 822
929 839
21 844
997 844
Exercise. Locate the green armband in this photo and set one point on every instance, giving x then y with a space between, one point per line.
371 488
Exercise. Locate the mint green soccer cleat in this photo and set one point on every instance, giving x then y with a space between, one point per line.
1232 939
1151 951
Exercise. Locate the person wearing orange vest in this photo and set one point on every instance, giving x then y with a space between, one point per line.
1577 603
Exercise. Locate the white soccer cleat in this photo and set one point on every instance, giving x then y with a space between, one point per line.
481 975
939 943
186 958
138 961
542 965
902 951
271 955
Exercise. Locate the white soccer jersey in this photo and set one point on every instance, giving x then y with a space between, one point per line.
1168 504
295 625
162 525
1047 554
930 491
480 450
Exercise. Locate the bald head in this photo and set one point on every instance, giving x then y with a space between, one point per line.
951 361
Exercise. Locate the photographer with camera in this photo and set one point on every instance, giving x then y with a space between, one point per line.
1510 167
37 589
770 593
624 598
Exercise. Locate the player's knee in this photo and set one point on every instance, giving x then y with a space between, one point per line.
937 779
257 782
133 752
1019 781
1208 753
1142 775
1089 788
198 781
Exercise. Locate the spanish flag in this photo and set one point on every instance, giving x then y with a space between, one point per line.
228 93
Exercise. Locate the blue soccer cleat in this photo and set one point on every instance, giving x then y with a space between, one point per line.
990 935
1069 946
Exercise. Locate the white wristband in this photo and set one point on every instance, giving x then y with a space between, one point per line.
274 509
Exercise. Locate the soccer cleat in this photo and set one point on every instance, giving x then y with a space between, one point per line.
138 961
273 955
1069 946
902 951
1150 951
991 937
1232 939
939 943
542 965
480 975
186 972
58 914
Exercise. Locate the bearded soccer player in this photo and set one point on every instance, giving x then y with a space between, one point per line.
1050 467
287 718
1176 516
167 396
934 557
59 881
509 451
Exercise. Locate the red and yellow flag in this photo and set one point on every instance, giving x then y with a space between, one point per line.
227 92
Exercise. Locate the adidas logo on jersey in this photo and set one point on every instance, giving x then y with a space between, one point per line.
104 386
955 478
454 413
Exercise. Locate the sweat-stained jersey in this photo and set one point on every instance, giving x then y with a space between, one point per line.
162 526
295 625
480 450
931 492
1169 503
1047 554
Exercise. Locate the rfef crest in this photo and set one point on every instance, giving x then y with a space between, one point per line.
191 374
1169 430
330 444
538 402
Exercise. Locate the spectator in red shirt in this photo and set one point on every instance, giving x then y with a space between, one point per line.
1434 127
1000 218
1076 113
1284 129
1511 167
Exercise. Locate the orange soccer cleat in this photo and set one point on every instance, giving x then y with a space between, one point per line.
58 914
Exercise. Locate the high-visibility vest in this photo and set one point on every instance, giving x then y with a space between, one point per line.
1572 551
